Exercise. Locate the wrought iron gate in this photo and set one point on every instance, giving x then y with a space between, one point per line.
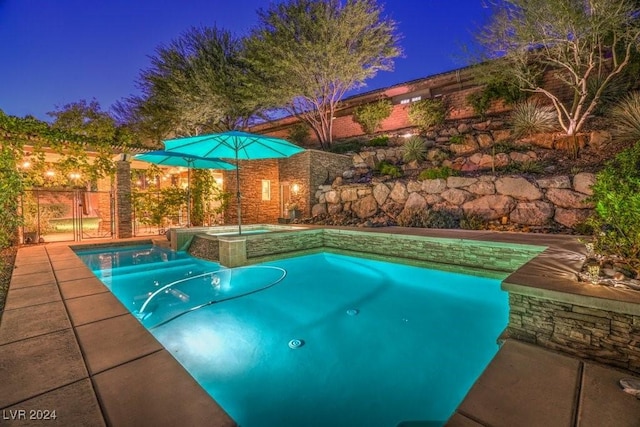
67 215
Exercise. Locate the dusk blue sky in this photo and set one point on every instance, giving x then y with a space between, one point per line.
56 52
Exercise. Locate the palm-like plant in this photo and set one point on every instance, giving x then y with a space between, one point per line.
414 149
626 118
530 117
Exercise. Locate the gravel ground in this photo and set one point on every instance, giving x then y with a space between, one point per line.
7 258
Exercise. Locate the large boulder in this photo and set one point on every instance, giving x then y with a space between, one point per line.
381 192
568 199
484 140
434 186
334 208
319 209
482 188
332 196
348 195
456 196
415 201
399 192
518 187
469 145
571 217
413 186
433 199
583 182
458 181
532 213
365 207
490 207
562 181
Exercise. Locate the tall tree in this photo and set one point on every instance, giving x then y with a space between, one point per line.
584 44
308 53
194 84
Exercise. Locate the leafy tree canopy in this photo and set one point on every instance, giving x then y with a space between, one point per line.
195 84
585 44
307 53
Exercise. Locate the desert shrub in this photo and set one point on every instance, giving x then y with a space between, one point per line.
351 145
443 172
443 218
413 218
427 113
379 141
481 100
626 119
530 117
414 148
425 218
473 222
370 116
386 168
616 194
299 133
456 139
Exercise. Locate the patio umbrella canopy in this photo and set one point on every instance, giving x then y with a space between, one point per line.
233 145
166 158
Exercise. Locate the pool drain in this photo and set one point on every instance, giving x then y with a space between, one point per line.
296 343
353 312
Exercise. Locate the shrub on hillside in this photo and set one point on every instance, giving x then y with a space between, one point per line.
443 172
427 112
616 194
370 116
299 133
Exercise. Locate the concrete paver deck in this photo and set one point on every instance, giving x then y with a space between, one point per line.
68 345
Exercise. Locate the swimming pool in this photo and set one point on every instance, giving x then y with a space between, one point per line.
337 341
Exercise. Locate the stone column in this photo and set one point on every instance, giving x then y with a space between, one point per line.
124 210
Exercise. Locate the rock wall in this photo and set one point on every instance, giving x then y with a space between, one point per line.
561 199
604 336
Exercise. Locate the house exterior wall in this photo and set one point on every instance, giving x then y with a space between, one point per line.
254 209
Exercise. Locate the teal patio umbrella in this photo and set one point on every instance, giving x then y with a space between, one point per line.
167 158
233 145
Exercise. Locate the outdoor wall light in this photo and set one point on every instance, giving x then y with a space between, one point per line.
295 188
218 182
74 175
50 174
26 164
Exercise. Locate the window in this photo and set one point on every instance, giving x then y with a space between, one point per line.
416 98
405 101
266 190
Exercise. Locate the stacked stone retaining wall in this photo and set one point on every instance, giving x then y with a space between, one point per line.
560 200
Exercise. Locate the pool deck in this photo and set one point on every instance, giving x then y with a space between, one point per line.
67 344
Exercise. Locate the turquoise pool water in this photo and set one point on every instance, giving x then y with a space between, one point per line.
378 344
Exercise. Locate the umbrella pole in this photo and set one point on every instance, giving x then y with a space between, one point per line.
238 195
189 197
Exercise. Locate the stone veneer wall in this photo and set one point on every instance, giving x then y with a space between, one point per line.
561 199
466 253
605 336
124 208
254 209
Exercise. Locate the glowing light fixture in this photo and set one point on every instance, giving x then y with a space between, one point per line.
26 164
50 173
295 188
74 175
